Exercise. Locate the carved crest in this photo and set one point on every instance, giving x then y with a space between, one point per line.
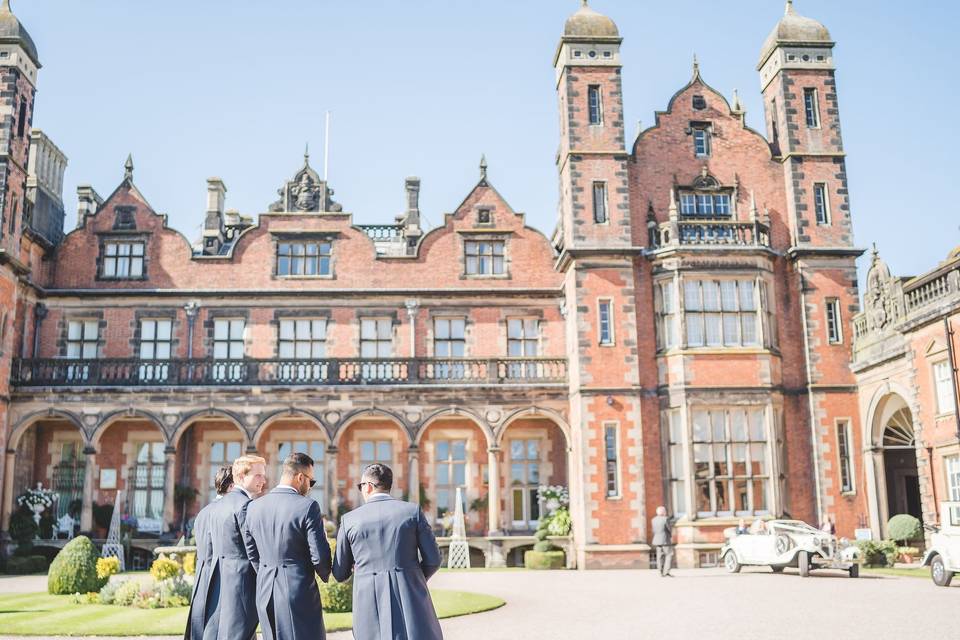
883 300
306 192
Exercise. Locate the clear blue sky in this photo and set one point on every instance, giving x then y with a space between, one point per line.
423 87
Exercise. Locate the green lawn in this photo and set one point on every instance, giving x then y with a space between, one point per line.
39 614
914 572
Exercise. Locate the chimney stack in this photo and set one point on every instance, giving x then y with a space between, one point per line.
213 226
411 218
88 201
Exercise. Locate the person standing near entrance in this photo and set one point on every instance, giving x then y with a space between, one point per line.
388 544
238 580
663 541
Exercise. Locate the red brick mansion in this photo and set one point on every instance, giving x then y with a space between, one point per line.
683 336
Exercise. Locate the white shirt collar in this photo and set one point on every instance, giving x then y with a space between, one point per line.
380 496
285 486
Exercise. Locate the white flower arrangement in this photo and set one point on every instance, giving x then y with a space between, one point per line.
38 497
553 497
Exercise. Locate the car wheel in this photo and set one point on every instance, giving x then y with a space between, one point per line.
854 571
938 571
776 568
730 562
803 562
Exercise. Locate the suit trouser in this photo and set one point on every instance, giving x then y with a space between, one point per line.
664 558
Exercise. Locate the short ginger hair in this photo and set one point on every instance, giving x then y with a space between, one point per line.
243 464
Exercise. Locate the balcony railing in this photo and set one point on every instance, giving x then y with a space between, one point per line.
710 234
133 372
382 231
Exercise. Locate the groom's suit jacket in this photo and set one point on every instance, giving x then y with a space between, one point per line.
389 546
238 580
203 616
286 543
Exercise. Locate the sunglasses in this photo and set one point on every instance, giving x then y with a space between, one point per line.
312 481
360 486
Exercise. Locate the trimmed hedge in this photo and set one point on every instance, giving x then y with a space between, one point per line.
23 565
336 597
544 560
74 570
904 527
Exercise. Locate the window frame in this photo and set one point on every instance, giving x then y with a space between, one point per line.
451 462
601 208
845 461
703 314
704 130
834 324
947 407
529 490
821 204
214 465
472 250
117 258
616 492
610 339
595 105
811 107
953 489
152 368
320 259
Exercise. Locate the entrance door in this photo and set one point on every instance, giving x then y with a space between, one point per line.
900 465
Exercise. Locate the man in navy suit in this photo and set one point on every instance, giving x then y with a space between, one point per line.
389 545
238 580
288 547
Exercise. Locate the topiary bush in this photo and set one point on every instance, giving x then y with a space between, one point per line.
903 527
540 560
74 570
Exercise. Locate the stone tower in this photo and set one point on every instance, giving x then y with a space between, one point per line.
18 76
594 241
798 81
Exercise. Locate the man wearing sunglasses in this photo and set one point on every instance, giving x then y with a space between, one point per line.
288 547
388 545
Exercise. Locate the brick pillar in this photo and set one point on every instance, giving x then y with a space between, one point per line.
86 511
493 497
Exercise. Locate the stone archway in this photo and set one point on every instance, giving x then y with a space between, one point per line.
901 475
892 463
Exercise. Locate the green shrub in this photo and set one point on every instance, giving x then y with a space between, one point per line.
560 524
163 568
106 567
904 527
544 559
174 592
74 570
127 593
23 565
336 597
22 528
878 553
109 592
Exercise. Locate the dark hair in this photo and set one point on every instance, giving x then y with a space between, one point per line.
223 480
380 475
296 463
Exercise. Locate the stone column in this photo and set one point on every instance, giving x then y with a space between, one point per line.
86 511
412 307
331 480
413 483
8 488
493 497
169 484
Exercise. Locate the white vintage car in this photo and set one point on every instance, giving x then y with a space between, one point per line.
790 543
943 556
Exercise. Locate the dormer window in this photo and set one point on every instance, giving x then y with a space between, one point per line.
706 198
699 103
484 257
122 260
309 258
124 219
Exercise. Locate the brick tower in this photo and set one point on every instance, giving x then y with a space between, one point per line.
18 76
596 258
798 81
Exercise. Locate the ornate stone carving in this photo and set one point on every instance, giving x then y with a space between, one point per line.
306 192
883 301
